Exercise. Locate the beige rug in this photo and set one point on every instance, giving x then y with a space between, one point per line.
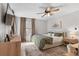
30 49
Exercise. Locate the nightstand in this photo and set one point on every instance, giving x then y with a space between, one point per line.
70 41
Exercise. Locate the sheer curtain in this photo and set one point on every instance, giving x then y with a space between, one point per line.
30 29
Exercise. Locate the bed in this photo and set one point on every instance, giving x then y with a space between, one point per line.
43 41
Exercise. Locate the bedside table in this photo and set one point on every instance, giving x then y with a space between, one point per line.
70 40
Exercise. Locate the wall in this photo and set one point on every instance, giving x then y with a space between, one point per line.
69 21
18 25
4 29
41 26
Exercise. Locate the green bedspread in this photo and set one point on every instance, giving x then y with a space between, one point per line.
41 40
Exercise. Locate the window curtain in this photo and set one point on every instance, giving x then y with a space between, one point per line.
33 26
27 25
23 29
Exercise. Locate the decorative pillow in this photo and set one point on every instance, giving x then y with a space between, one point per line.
50 33
58 34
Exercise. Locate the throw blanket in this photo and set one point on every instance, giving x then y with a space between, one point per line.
41 40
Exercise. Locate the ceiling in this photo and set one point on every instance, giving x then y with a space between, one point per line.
30 10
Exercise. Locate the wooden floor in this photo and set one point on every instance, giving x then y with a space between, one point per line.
29 49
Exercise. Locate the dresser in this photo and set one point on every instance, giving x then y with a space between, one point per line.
11 48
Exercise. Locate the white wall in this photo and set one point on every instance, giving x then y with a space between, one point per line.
41 26
18 25
69 21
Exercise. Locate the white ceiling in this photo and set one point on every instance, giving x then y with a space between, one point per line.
30 10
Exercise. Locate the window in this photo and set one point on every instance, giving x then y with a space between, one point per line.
28 30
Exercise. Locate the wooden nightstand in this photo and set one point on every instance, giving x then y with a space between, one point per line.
70 40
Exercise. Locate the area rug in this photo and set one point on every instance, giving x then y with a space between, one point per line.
31 50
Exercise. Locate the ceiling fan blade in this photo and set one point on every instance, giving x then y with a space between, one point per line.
43 15
56 9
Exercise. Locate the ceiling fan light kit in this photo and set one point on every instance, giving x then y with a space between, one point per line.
49 11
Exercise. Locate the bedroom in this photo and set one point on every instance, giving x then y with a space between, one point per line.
43 31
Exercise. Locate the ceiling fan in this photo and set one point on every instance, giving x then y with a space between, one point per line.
49 11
